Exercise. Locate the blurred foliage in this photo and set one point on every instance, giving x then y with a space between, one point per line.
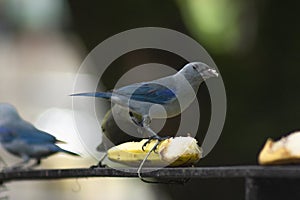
215 22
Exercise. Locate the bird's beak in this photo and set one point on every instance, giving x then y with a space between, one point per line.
213 72
209 73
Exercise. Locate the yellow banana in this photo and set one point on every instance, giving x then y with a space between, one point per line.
178 151
284 151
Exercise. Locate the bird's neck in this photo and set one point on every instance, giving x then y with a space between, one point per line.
194 81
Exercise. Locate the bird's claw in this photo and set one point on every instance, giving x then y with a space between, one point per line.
99 165
154 137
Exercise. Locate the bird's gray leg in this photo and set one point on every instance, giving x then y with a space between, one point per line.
2 161
19 165
144 124
36 163
100 164
135 120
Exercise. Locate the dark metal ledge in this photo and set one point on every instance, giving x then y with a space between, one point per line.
292 172
261 182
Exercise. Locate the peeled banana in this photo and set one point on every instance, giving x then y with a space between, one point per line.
284 151
177 151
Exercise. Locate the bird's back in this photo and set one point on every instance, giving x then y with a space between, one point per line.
26 131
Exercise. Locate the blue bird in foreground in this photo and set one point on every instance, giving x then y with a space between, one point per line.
22 139
162 98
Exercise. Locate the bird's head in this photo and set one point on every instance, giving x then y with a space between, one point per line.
8 112
198 70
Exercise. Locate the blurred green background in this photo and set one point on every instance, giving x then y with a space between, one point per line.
255 45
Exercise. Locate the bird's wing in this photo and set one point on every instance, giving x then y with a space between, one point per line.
30 134
11 133
7 135
39 138
147 92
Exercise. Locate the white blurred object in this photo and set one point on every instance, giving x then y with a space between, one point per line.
61 123
40 15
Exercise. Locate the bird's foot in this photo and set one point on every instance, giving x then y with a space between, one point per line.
154 137
33 165
99 165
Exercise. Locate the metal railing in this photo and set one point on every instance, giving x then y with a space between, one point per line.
261 182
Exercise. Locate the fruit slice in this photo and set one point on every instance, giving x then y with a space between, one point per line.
178 151
284 151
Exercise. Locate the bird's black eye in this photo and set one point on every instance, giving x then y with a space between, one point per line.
194 67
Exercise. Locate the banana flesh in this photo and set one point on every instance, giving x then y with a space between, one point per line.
284 151
178 151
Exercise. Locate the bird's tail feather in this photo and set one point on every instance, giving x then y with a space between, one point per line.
60 142
105 95
69 152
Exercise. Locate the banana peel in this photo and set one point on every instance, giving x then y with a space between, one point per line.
178 151
284 151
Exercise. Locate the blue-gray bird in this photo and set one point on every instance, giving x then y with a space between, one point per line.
22 139
162 98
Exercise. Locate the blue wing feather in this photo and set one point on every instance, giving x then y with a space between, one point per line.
148 92
36 136
6 135
27 132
